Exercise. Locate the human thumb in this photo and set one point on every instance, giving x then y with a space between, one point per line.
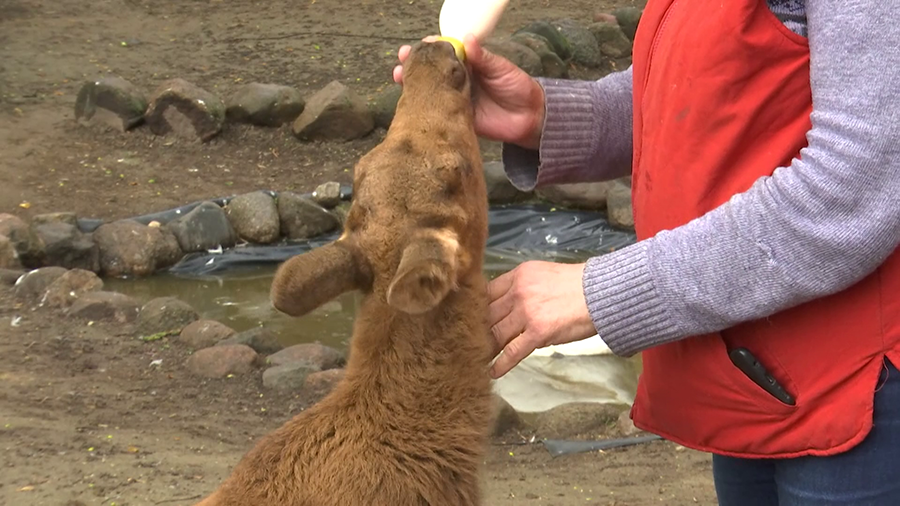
483 62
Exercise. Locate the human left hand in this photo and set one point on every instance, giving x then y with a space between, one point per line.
537 304
509 103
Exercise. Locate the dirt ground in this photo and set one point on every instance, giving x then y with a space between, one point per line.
88 417
84 418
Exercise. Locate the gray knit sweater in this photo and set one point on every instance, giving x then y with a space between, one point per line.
811 229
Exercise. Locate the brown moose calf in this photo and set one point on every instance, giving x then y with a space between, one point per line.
408 424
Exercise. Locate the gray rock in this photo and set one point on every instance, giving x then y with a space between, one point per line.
287 377
576 419
9 258
10 276
110 101
43 219
506 418
268 105
520 55
205 227
27 243
628 18
558 43
105 306
384 105
129 248
532 40
301 218
327 195
185 110
319 384
552 65
341 212
319 356
611 40
201 334
577 195
334 113
221 361
164 314
618 204
66 289
254 217
66 246
585 50
33 284
500 190
262 340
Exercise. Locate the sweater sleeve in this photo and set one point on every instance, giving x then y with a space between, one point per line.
811 229
587 134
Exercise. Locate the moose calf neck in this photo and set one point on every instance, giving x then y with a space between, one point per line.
408 424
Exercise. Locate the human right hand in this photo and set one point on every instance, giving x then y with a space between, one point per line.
535 305
509 104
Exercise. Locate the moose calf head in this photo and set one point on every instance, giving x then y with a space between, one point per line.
419 202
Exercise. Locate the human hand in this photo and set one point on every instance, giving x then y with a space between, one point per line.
535 305
509 104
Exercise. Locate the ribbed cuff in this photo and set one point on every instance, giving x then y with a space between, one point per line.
628 313
521 166
567 139
570 131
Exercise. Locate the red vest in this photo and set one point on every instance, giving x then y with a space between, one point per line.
721 98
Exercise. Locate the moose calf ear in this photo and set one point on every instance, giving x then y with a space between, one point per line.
427 272
307 281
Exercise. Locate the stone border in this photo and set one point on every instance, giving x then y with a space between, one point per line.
144 245
132 247
546 48
141 246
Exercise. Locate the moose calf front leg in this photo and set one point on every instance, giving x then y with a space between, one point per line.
307 281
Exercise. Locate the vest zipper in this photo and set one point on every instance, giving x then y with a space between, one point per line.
656 39
650 56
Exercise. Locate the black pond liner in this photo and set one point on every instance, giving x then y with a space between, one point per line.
515 230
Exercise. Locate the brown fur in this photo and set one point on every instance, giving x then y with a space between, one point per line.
409 422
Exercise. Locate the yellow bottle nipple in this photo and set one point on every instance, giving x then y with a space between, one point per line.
457 46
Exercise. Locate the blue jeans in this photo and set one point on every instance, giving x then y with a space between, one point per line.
866 475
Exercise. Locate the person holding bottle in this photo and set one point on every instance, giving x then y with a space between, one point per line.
763 142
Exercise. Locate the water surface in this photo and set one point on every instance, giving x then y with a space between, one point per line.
233 288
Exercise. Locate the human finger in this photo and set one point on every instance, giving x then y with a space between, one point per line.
402 55
514 352
500 308
506 330
403 52
473 48
500 285
483 62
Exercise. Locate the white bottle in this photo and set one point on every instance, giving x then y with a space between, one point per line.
478 17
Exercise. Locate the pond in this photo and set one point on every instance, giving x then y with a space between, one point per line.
233 287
